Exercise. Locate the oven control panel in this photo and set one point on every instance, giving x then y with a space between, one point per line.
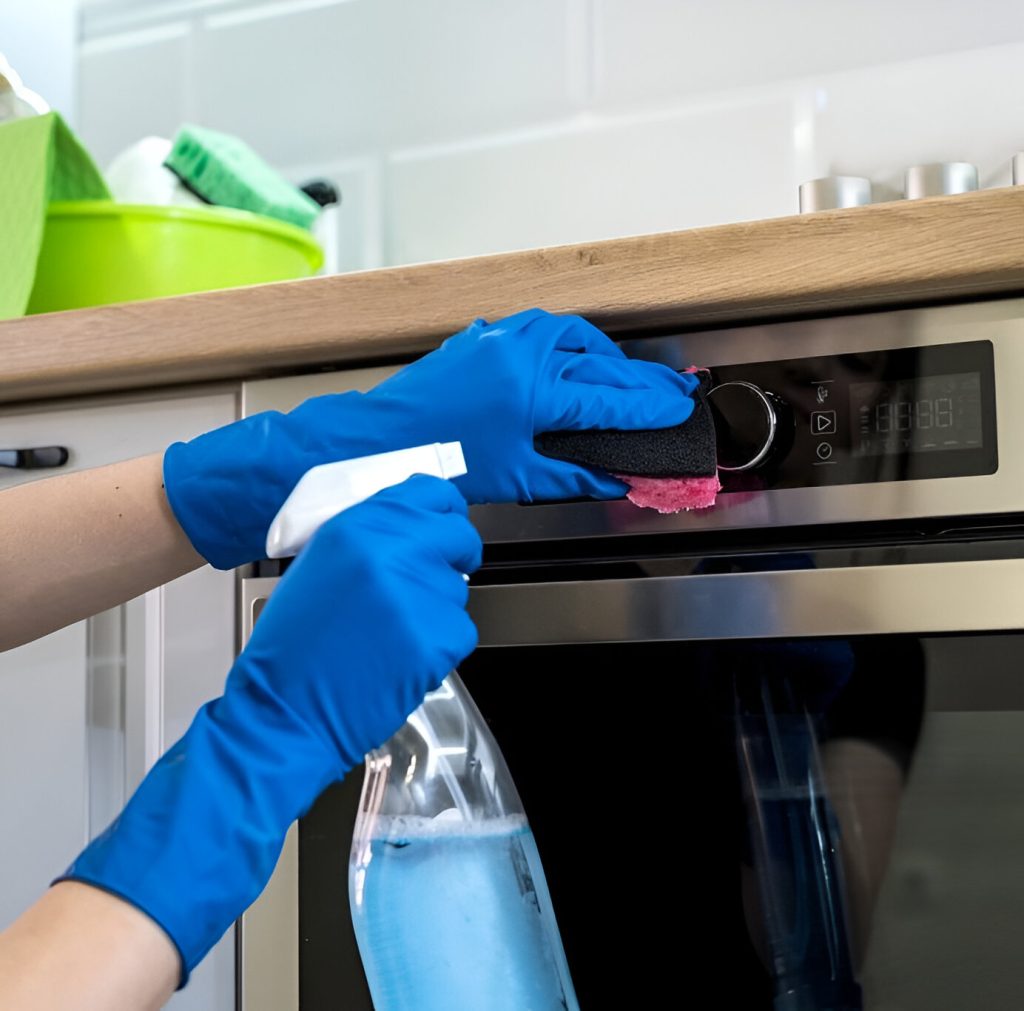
894 415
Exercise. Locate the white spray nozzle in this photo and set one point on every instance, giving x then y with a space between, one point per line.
331 488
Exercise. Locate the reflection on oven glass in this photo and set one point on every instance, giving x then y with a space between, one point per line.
823 748
821 761
785 763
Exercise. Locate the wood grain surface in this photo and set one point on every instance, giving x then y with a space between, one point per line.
905 252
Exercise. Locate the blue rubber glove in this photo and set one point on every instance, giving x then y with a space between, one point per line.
369 618
491 387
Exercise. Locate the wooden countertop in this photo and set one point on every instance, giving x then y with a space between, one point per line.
905 252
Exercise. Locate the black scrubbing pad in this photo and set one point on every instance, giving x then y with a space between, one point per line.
686 450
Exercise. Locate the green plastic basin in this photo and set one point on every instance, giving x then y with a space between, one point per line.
96 251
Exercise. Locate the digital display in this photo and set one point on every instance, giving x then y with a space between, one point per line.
922 415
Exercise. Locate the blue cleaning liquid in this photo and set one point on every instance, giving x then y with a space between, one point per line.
451 920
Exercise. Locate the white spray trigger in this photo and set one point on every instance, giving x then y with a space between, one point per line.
331 488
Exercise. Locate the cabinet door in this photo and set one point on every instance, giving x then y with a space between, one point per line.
84 712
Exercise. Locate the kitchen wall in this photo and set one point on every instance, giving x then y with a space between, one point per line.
40 41
459 127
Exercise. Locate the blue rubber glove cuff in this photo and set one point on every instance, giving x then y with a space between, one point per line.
187 832
226 487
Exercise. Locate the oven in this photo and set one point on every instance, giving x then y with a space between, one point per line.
774 749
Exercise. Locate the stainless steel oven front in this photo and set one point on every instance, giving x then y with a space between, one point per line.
774 749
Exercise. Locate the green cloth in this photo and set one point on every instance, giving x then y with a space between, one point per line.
40 160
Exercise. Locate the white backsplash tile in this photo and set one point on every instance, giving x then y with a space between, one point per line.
353 77
545 121
667 50
955 107
130 87
594 179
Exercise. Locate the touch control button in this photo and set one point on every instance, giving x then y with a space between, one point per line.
823 422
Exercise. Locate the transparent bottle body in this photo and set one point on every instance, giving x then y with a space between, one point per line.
449 900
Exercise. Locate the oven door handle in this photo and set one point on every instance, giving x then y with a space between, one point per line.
920 598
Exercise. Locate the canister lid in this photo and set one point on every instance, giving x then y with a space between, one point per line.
831 192
940 178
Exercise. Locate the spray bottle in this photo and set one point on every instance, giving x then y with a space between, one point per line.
449 900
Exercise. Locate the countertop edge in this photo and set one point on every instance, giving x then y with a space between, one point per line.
891 254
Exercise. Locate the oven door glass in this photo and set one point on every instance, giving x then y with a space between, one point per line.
800 823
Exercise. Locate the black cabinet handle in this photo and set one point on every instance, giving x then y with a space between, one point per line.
39 458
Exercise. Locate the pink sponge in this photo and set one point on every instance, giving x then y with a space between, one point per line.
672 494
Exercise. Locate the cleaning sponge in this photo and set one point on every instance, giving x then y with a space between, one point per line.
224 170
667 469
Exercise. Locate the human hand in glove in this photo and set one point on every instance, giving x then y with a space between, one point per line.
492 387
368 620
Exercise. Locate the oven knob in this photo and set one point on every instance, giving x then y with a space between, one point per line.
746 421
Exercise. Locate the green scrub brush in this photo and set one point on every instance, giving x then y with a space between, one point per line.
224 170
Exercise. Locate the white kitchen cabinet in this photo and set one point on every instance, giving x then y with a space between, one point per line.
85 711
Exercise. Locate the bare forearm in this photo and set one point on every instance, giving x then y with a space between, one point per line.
865 785
81 949
75 545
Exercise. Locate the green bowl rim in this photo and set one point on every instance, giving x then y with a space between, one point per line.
225 217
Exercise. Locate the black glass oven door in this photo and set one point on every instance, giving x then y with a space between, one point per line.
816 803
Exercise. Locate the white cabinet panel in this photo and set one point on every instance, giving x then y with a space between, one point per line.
288 392
42 765
197 616
108 431
85 711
